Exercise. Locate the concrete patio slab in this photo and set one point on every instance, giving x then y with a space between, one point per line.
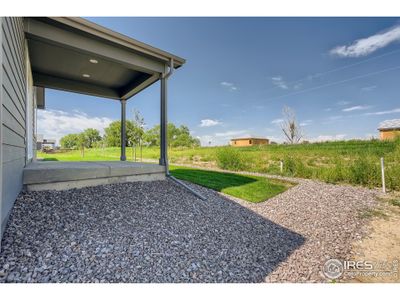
54 175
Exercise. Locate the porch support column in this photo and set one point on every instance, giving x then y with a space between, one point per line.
123 129
163 123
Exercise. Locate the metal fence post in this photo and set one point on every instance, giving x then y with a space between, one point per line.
383 175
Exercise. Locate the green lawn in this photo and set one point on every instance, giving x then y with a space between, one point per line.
100 154
251 188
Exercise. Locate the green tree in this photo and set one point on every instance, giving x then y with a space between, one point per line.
151 137
113 133
92 136
138 133
70 141
181 137
83 142
177 136
137 128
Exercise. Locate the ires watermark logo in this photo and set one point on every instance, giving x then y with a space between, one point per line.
335 268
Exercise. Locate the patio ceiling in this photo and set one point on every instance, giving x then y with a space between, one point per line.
76 55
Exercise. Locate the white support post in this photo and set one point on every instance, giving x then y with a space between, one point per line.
281 166
383 175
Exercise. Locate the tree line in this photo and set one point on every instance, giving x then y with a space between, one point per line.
136 136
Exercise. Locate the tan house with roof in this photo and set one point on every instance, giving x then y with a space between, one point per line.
389 129
248 141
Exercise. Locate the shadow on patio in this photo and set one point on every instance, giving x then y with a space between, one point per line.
139 232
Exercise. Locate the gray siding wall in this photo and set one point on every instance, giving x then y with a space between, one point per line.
13 113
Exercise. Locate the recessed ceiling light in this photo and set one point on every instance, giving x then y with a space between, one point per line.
93 61
86 75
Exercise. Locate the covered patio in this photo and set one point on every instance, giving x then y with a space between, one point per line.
75 55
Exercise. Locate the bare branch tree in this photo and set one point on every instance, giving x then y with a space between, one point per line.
139 123
290 127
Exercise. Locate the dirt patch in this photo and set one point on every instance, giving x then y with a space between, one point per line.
382 245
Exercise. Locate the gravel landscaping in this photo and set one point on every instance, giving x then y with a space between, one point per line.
159 232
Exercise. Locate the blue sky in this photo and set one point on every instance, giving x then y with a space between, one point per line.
340 75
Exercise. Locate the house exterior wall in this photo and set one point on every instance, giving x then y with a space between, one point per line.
260 142
30 111
249 142
389 134
13 113
1 122
240 143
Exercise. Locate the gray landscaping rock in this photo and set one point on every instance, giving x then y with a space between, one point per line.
159 232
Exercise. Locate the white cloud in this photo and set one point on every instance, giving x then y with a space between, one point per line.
277 121
209 123
279 82
368 88
324 138
365 46
357 107
78 112
306 122
385 112
229 85
54 124
328 109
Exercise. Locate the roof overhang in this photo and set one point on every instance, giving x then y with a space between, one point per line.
389 129
76 55
249 138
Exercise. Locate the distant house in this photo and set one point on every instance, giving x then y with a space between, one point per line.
249 141
389 129
42 143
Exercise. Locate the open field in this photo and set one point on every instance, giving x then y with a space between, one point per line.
353 162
